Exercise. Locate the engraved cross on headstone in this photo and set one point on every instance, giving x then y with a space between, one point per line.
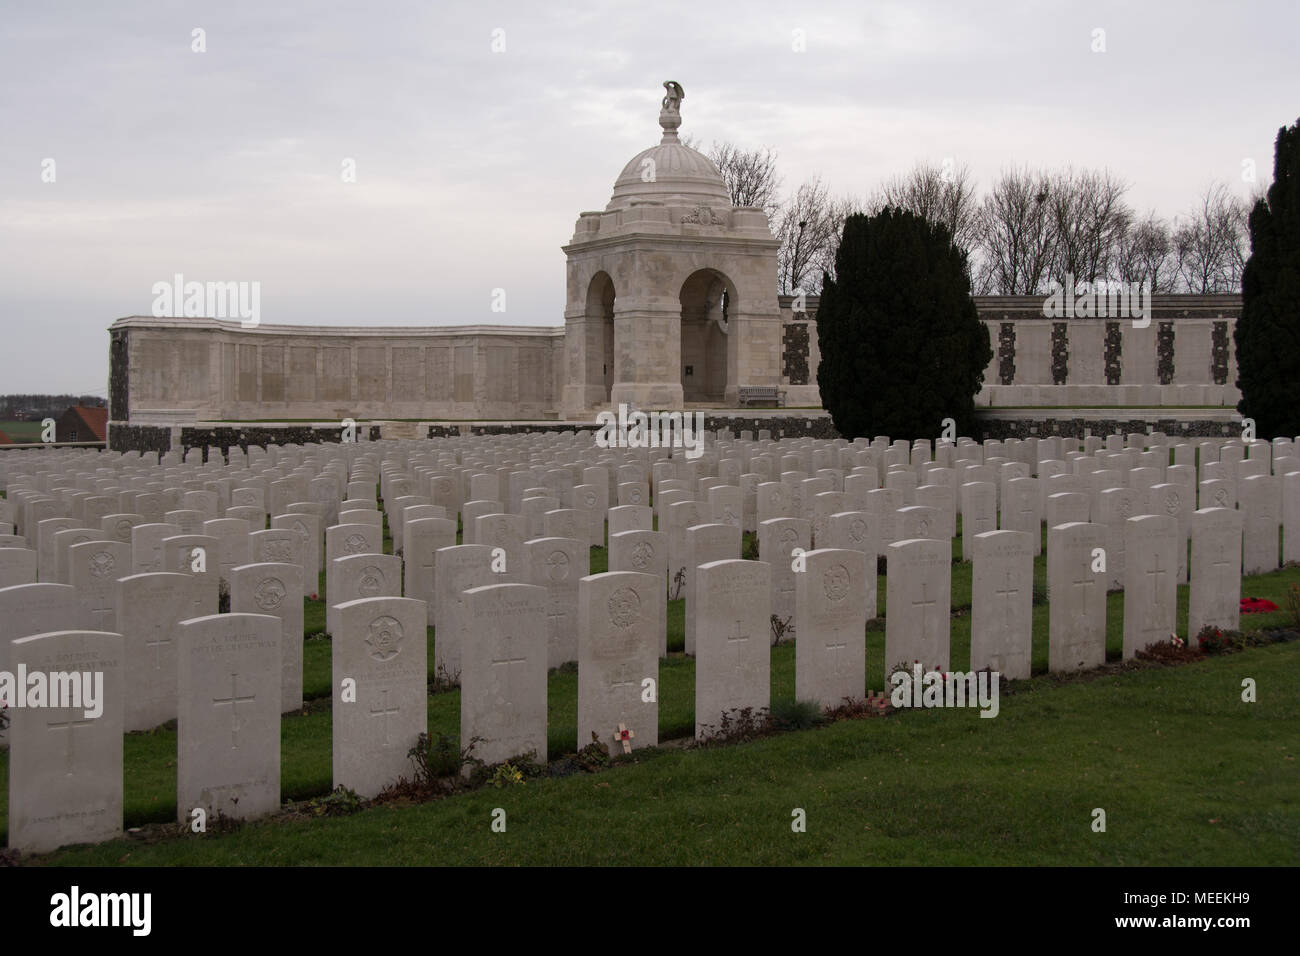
157 644
834 647
1027 519
71 727
234 700
387 713
624 680
923 604
738 638
1157 603
1005 593
506 661
100 602
1156 572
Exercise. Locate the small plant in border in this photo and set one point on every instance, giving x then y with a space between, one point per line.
779 628
440 758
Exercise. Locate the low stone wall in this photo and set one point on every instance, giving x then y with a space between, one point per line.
127 437
781 426
1046 427
145 438
142 438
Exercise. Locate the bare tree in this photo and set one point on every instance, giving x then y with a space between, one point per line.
944 194
806 231
1210 244
1089 217
750 174
1145 253
1016 241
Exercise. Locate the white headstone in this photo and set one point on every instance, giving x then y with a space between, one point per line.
618 659
1002 603
378 717
503 675
65 763
228 731
831 616
277 590
733 658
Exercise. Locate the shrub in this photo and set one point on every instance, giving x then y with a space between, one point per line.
594 756
737 725
795 714
339 802
1268 365
436 759
900 301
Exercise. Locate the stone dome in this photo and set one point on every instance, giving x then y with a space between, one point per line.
681 175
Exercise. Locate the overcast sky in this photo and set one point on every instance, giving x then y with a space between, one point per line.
472 166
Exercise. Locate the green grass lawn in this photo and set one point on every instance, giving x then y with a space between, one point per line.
22 432
1164 751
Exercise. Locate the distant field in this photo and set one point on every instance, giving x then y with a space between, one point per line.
22 431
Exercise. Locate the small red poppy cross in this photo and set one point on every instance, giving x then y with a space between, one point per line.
624 736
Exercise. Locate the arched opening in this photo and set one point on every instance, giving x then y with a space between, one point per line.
600 329
707 299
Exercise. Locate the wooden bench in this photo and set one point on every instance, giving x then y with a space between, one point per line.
768 394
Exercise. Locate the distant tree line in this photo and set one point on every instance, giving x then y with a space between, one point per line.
1031 228
37 407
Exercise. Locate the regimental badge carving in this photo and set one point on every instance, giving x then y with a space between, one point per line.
281 551
624 607
269 595
355 544
729 517
1172 501
1221 497
789 537
557 566
857 529
124 529
835 582
1125 509
590 498
372 582
102 564
384 638
923 527
642 555
703 216
636 496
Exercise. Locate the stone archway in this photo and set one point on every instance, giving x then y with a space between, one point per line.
600 324
708 301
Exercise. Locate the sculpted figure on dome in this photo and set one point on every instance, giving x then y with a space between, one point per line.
673 100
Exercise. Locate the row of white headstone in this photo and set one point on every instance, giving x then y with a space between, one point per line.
732 665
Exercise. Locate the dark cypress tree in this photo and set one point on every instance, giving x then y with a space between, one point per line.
902 344
1268 332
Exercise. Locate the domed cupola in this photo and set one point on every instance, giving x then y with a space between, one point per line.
670 173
